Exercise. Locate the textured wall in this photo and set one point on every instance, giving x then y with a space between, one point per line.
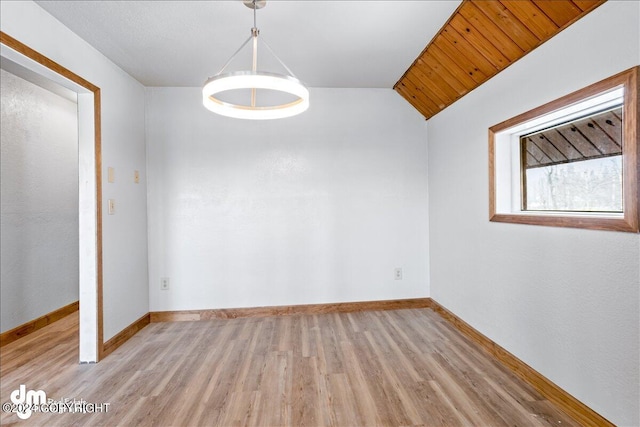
316 208
565 301
39 201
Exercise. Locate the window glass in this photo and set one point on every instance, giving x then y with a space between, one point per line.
575 166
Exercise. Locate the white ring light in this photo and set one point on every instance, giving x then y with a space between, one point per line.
255 80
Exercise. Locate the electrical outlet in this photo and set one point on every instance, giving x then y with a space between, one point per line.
397 273
164 283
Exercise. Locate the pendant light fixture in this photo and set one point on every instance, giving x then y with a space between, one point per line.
291 95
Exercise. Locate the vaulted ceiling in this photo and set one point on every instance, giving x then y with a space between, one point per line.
481 38
339 43
344 43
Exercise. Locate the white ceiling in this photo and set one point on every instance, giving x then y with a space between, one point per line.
325 43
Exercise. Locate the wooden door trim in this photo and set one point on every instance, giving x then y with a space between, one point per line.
41 59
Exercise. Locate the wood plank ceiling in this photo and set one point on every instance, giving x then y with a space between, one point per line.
480 39
591 138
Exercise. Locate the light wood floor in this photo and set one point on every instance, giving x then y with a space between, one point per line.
391 368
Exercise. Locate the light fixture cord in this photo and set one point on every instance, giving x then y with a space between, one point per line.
224 67
278 58
254 67
253 33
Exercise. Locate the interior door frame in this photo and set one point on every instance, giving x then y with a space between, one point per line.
90 199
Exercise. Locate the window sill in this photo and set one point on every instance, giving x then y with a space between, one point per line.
611 223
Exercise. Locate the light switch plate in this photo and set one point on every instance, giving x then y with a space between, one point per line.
111 175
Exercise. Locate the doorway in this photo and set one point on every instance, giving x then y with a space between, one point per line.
89 187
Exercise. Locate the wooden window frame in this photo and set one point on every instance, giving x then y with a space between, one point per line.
629 221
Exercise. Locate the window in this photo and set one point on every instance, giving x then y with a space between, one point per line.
575 166
572 162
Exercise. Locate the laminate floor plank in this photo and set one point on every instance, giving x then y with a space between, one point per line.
404 367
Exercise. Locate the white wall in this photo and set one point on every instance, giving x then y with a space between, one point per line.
39 201
565 301
123 147
316 208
